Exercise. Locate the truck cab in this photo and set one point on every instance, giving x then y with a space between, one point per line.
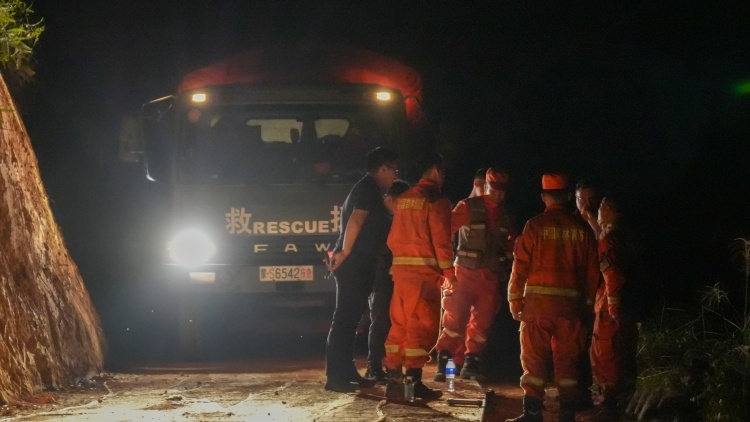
256 165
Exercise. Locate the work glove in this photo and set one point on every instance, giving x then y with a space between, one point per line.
516 308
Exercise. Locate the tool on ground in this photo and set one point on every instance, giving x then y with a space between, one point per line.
487 404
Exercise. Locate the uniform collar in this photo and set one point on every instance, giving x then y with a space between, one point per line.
553 207
428 182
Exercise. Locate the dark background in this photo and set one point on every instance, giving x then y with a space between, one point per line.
645 96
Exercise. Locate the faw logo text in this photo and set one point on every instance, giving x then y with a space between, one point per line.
239 221
290 247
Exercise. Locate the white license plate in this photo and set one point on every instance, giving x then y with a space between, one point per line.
287 273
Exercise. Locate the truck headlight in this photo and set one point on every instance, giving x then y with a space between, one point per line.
191 248
383 96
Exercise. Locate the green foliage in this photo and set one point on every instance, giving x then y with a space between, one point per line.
702 355
18 36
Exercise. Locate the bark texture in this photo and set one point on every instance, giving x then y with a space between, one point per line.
50 334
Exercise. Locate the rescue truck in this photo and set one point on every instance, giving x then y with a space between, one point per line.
257 153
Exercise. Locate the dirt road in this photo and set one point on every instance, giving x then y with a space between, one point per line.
283 389
238 391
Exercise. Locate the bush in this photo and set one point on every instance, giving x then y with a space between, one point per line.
702 356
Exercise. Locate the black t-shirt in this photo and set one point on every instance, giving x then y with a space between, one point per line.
366 196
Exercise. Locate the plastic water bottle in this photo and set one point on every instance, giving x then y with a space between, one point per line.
450 376
409 389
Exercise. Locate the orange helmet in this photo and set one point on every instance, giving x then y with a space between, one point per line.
554 181
497 179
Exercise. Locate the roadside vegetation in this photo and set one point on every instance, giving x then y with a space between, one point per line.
695 362
18 36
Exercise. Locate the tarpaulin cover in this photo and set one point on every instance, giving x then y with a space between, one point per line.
303 63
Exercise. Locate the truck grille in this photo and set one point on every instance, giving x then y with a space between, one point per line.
274 250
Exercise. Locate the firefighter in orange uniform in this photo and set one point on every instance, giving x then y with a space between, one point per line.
483 259
420 240
613 349
587 198
553 282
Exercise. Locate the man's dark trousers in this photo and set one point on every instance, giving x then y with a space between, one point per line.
354 281
380 316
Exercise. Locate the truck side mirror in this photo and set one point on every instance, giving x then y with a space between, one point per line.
157 133
130 143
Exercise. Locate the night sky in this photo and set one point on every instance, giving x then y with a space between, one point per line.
645 97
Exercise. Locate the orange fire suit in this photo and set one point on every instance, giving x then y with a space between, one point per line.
420 240
553 281
614 346
484 258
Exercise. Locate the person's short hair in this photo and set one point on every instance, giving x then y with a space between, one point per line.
429 160
380 156
587 184
615 201
398 187
558 195
480 174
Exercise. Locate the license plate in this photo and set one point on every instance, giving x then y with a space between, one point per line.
287 273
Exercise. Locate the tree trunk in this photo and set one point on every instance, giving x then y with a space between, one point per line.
49 331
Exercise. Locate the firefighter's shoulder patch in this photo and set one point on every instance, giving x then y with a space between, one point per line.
410 203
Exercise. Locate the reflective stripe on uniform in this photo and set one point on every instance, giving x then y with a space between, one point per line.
567 382
552 291
406 260
415 352
613 300
445 264
479 339
391 348
514 296
532 380
451 333
469 254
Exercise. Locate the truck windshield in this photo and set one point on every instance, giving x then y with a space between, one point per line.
281 144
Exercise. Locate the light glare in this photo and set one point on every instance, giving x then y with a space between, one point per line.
191 248
199 98
383 96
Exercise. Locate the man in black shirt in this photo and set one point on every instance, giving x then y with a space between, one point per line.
364 230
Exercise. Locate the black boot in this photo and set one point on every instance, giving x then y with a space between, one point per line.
470 370
394 375
346 380
359 380
420 390
443 357
340 385
583 400
567 411
609 411
607 414
532 411
376 373
394 390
